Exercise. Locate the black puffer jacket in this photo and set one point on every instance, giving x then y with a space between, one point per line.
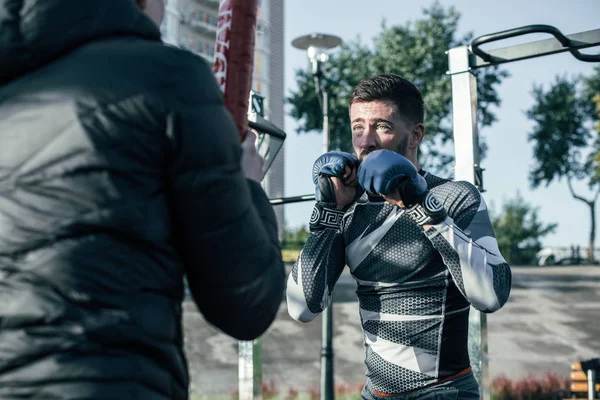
119 173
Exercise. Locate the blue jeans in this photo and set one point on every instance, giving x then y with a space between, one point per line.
463 387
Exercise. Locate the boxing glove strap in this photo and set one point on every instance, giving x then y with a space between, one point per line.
427 212
325 215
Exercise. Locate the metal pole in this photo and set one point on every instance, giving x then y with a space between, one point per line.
315 44
466 148
250 352
327 392
327 386
293 199
591 375
250 369
325 120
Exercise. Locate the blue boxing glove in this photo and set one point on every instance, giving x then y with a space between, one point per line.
384 171
331 164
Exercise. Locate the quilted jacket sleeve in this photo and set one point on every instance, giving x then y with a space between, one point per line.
226 231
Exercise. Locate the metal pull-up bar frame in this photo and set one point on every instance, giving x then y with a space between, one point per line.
560 43
462 61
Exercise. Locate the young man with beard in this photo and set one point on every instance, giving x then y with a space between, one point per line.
421 249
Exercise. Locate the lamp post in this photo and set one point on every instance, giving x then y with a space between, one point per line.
316 46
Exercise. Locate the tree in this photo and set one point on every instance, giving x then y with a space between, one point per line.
518 230
591 96
294 239
596 155
564 117
415 51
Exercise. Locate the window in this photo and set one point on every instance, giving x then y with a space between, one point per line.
261 65
209 49
258 63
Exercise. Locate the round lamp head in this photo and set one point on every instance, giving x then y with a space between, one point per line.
317 40
316 46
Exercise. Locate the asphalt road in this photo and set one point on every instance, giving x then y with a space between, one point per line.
551 319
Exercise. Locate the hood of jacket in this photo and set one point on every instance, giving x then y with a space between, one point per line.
36 32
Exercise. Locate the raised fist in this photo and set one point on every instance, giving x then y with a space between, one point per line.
335 177
384 171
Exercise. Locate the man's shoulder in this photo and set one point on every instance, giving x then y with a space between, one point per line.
437 183
156 55
144 48
153 67
433 180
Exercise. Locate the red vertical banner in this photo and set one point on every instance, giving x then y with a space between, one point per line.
234 56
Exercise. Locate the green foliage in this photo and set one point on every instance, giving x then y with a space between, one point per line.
594 163
415 51
294 239
519 231
559 133
591 102
566 145
567 125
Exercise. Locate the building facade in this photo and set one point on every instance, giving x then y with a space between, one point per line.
192 24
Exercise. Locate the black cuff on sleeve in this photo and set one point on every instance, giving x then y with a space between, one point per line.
428 212
325 215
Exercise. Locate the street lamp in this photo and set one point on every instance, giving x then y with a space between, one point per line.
316 46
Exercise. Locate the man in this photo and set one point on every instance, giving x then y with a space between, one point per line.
421 249
120 172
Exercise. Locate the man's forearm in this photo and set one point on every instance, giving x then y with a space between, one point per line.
314 275
477 267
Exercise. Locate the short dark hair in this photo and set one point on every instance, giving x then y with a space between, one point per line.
403 95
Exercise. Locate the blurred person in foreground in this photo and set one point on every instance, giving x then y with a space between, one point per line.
121 171
421 249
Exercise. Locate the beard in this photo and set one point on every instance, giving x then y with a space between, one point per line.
401 149
364 153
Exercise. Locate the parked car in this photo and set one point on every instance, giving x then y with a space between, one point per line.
564 256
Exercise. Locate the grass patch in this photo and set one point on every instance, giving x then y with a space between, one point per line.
289 255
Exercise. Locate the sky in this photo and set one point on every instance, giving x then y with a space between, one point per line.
509 156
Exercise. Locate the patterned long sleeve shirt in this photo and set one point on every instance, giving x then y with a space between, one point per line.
415 287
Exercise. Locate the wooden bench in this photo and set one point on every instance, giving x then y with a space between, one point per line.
579 382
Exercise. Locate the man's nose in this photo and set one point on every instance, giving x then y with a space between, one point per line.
369 140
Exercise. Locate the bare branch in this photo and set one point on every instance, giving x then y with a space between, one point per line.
586 201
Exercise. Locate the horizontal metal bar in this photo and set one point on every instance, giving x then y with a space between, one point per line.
538 48
510 33
256 121
294 199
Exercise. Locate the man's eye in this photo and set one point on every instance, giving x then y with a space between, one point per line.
383 127
357 128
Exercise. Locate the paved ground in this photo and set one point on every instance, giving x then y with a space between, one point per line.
551 319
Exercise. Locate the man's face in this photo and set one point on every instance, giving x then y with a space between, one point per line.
155 9
376 125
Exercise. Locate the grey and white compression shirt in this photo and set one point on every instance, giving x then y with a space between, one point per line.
414 288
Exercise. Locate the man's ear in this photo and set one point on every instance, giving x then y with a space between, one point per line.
417 134
142 4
